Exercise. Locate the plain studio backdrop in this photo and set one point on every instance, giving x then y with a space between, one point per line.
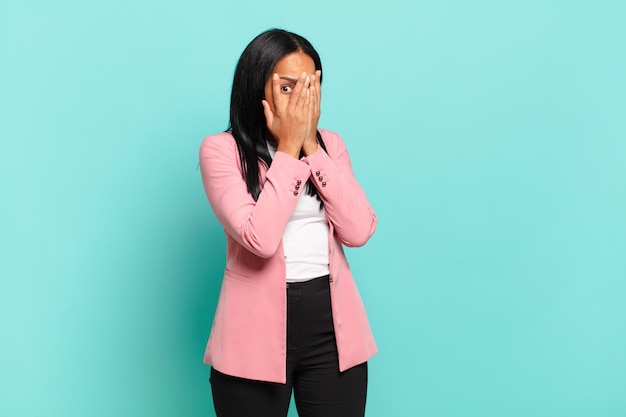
490 138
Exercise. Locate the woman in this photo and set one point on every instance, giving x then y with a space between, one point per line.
289 315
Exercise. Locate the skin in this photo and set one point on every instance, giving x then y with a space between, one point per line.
292 104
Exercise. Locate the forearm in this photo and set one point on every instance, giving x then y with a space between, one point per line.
256 225
345 202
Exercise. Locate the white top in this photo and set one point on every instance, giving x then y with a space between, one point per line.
305 239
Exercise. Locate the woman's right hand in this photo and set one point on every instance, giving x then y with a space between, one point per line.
290 120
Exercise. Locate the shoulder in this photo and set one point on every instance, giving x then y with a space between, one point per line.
220 143
333 141
330 135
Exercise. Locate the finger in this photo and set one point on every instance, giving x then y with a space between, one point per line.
277 97
318 85
304 95
314 98
318 91
269 115
295 97
314 114
307 108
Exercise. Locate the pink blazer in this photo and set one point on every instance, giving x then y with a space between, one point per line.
249 338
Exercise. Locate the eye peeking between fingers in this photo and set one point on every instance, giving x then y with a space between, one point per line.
287 89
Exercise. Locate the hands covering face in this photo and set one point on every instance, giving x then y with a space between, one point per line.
295 113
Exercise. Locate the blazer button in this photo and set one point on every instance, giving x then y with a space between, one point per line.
299 182
297 186
295 192
323 183
320 178
317 173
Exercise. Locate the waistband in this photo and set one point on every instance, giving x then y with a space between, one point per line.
309 287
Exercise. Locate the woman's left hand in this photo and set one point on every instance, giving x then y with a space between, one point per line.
310 143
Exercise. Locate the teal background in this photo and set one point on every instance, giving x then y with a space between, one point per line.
489 136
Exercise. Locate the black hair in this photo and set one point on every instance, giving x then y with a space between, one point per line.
247 120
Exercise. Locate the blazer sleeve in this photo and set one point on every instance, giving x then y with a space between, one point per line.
256 225
345 202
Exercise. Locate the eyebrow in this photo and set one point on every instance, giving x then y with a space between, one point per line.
293 80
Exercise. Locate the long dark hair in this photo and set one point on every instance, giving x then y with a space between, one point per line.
247 121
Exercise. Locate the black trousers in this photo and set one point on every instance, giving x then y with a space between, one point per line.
320 390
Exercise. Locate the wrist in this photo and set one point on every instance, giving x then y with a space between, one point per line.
289 149
309 147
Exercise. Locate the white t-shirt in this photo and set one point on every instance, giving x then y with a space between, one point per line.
305 239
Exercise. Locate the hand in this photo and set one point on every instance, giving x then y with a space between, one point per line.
310 143
289 121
